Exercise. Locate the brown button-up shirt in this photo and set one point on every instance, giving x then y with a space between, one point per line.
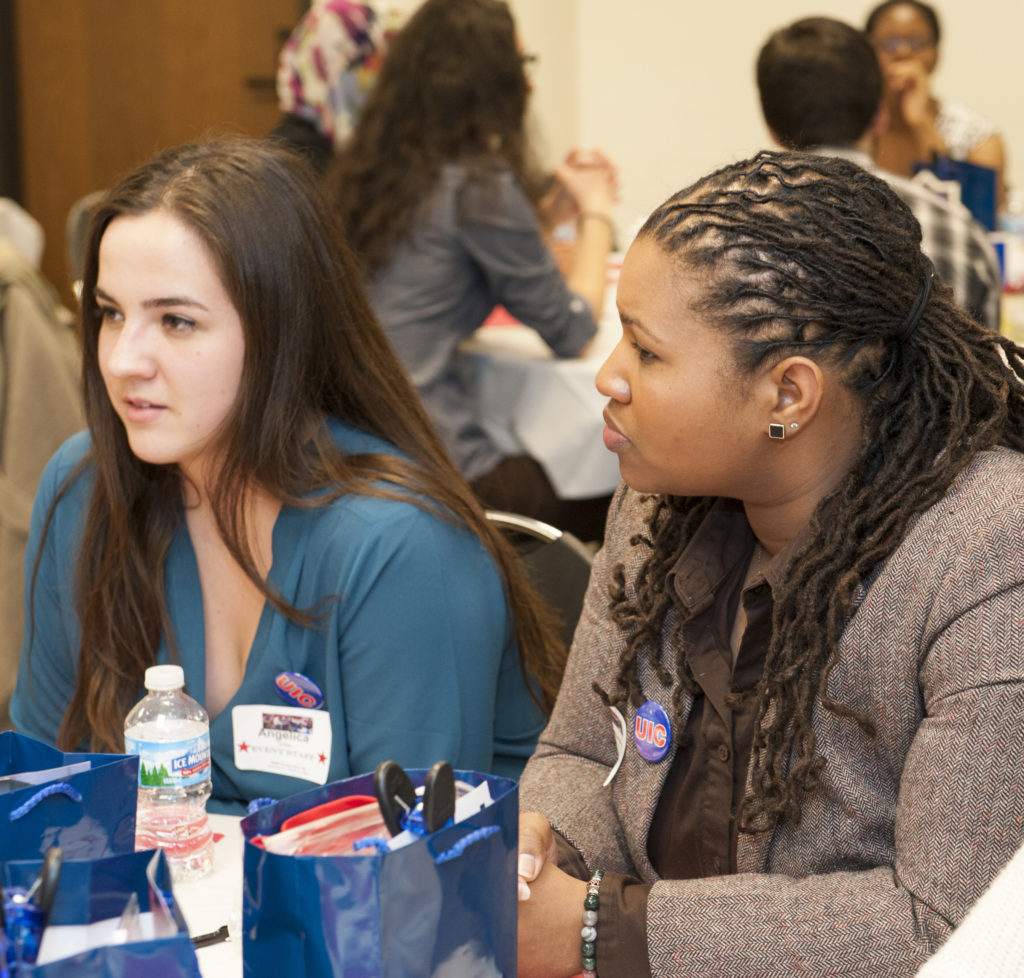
725 605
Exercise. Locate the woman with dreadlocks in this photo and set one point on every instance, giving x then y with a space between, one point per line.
789 731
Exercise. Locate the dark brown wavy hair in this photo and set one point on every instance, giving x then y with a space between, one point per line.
813 256
313 350
452 90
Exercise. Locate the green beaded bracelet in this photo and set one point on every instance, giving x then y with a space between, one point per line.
588 949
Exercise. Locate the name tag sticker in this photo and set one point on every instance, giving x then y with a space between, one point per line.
282 740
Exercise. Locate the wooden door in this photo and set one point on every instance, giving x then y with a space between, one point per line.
104 84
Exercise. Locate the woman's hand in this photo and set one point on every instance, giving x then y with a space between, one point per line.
911 102
550 905
556 207
536 847
592 180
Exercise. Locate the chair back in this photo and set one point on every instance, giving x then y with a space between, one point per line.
557 563
76 235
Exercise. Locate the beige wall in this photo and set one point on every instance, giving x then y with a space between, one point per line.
666 87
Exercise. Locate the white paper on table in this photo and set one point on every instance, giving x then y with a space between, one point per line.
49 774
64 940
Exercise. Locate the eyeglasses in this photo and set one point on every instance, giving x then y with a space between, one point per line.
892 45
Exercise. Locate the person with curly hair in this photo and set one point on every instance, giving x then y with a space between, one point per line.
440 199
789 729
260 498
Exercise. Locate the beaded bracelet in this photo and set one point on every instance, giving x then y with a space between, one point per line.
589 933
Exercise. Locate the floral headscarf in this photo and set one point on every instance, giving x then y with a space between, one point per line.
329 64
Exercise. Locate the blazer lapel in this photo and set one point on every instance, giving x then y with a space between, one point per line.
642 780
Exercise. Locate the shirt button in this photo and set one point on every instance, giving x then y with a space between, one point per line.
723 753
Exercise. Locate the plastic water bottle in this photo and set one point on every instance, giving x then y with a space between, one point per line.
170 732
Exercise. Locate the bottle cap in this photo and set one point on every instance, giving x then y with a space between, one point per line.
165 677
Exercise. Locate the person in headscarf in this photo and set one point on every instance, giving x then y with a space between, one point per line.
325 71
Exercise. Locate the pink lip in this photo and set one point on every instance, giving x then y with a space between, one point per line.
614 440
139 410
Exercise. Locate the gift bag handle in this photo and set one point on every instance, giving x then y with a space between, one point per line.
56 788
464 843
382 847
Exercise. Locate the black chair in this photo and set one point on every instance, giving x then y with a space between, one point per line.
76 233
556 562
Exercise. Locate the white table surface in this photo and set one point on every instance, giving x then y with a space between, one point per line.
217 899
530 401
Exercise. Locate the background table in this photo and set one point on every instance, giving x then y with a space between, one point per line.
530 401
217 899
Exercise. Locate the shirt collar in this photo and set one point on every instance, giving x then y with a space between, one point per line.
722 540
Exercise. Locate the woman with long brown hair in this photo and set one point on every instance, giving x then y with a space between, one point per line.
789 731
440 199
260 497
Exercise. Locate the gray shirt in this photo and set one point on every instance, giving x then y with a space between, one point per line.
474 245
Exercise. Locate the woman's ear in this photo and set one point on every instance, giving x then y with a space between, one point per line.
799 386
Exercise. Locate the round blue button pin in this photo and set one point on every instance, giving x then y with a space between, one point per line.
652 731
298 690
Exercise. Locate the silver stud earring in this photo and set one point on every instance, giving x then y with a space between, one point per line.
794 425
777 431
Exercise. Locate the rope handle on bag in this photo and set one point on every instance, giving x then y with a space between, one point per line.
382 847
464 843
57 788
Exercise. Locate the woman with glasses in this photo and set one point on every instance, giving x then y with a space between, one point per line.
443 205
906 36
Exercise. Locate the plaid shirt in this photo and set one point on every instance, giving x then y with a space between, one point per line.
956 243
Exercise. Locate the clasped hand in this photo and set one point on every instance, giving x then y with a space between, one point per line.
585 181
550 905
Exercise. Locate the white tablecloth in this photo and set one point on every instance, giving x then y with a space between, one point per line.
217 899
530 401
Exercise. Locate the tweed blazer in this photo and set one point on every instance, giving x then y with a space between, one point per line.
907 828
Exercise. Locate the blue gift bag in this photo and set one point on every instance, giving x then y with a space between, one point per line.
88 814
977 186
94 891
445 905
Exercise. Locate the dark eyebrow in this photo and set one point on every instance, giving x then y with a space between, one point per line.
161 303
636 325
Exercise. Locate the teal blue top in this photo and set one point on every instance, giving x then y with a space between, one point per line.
416 658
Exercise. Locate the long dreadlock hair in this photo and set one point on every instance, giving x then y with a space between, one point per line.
814 256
